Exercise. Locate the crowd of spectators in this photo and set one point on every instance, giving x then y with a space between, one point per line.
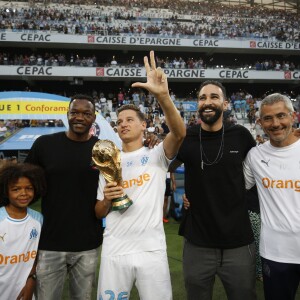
164 18
183 7
61 60
10 127
47 59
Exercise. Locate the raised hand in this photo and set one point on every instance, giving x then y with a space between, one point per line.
157 83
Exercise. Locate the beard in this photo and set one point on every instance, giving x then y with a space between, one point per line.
210 119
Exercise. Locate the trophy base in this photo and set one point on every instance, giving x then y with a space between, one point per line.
121 203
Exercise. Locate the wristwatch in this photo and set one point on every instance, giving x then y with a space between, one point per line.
33 276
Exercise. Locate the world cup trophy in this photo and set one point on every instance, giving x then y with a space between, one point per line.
107 159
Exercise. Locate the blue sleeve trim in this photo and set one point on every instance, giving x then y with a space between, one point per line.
3 213
35 215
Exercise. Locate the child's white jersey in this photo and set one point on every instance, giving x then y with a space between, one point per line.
140 227
276 172
19 240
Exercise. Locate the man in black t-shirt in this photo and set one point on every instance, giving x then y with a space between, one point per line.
216 227
71 233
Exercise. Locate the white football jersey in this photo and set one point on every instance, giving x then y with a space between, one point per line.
19 240
275 170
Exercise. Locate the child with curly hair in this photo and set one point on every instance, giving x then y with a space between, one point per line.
20 228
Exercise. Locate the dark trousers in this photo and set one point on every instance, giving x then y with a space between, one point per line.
281 280
235 267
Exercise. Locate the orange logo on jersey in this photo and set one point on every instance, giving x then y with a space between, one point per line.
281 184
136 181
16 259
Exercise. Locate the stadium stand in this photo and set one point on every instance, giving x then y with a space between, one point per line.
97 47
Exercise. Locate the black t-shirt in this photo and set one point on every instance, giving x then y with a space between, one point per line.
218 216
68 208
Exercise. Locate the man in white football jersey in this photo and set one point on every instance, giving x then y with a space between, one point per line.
274 166
134 246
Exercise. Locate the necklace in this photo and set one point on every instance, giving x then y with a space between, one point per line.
207 162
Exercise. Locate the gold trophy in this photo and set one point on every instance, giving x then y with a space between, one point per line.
107 158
